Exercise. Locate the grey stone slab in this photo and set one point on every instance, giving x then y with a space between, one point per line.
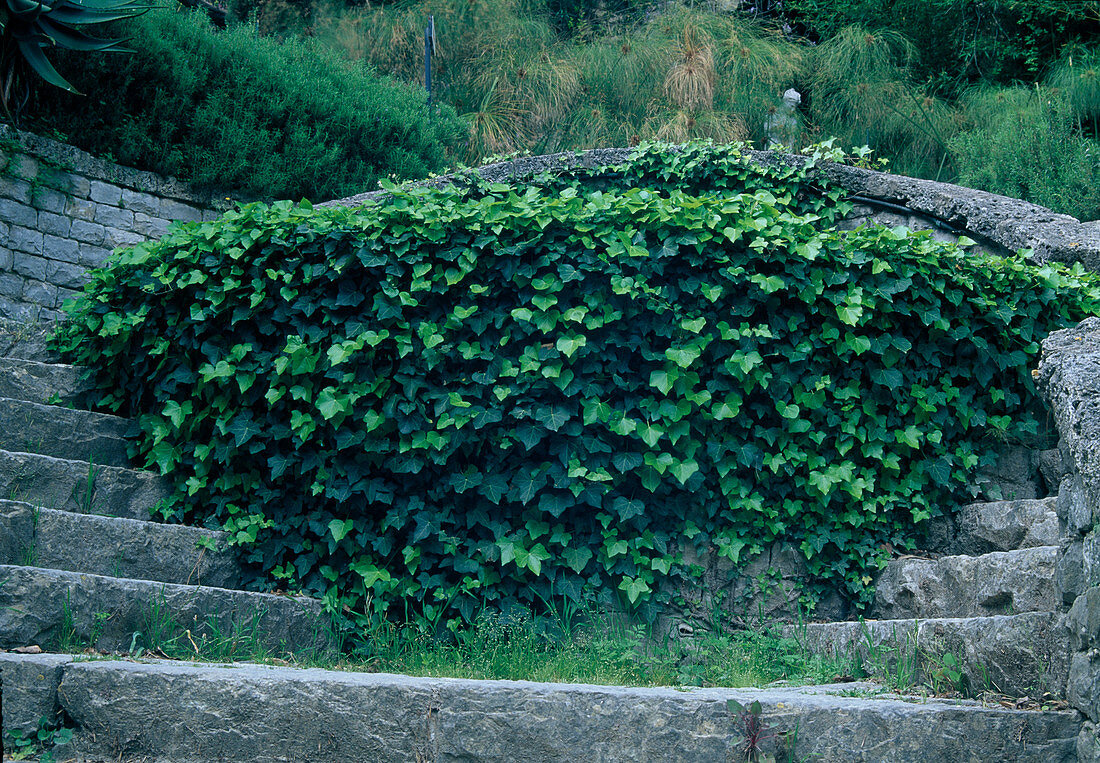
66 275
114 217
22 166
177 210
64 484
999 583
1069 570
116 237
1015 654
1014 476
80 209
63 249
88 232
150 226
29 265
40 293
980 528
131 548
16 532
25 240
259 713
7 257
25 338
62 432
49 200
54 225
14 188
42 606
94 256
138 202
72 183
30 684
15 213
11 286
38 382
105 193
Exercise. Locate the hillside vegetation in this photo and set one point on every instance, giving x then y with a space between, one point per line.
998 94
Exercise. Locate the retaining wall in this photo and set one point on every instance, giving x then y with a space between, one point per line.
62 212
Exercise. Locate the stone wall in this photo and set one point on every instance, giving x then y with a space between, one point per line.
62 212
1069 376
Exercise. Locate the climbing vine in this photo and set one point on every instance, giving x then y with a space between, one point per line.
489 394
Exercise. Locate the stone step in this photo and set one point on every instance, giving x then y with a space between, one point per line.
58 483
39 382
999 583
53 608
124 548
26 340
63 433
1019 655
981 528
171 711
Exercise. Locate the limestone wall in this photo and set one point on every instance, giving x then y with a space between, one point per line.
1069 376
62 212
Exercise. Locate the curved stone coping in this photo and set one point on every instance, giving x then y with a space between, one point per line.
1008 223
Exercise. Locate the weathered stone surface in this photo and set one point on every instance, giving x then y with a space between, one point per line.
1000 583
130 548
1069 570
1069 376
16 532
63 484
1014 654
980 528
19 339
63 433
259 713
30 688
109 610
766 589
38 382
1088 745
1014 476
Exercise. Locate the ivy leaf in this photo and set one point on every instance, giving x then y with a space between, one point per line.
577 558
627 508
553 417
339 528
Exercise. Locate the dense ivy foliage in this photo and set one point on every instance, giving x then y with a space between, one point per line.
483 395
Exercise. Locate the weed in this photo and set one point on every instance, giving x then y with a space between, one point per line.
84 492
755 732
40 742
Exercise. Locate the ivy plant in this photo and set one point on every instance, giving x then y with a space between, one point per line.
490 395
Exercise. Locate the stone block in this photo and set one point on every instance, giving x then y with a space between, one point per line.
40 293
49 200
209 215
116 237
152 227
1088 745
171 209
15 213
1083 685
66 274
1083 621
63 295
80 209
114 217
88 233
14 188
29 265
11 286
105 193
54 225
1014 476
94 256
30 688
1069 571
25 240
23 312
22 166
70 183
138 202
63 249
7 259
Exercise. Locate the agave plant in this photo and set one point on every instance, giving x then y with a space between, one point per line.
29 27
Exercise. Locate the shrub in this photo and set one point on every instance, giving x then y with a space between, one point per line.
232 110
488 395
1024 143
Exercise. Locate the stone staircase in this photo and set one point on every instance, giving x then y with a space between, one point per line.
82 565
985 598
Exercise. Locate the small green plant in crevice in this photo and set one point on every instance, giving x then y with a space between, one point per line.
28 552
757 738
39 743
68 639
84 491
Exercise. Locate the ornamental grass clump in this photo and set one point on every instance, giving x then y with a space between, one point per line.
492 395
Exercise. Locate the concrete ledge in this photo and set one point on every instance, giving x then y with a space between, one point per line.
185 712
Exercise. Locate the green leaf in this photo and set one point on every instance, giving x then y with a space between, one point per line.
339 528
